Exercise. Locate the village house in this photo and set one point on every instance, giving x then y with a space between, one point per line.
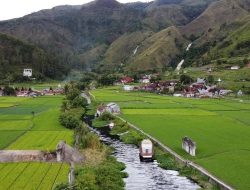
27 72
201 81
126 80
50 91
236 67
224 92
146 79
189 146
128 87
112 108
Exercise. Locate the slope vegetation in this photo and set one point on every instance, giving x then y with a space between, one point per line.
16 55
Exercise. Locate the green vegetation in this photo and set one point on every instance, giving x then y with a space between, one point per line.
32 175
130 136
100 171
16 55
220 127
20 129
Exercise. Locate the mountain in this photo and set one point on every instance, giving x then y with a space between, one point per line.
224 11
105 32
220 32
16 55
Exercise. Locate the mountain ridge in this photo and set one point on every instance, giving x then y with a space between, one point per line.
95 33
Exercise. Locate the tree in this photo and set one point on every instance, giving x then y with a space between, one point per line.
210 79
185 79
79 102
71 91
9 91
245 61
69 120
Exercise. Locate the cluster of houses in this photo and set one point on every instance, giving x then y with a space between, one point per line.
198 89
157 87
28 92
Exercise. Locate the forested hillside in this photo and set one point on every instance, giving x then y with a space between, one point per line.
138 36
16 55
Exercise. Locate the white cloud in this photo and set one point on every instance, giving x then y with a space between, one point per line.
18 8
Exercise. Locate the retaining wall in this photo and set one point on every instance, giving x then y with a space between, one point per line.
7 156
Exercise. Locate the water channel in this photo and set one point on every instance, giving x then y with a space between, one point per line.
145 176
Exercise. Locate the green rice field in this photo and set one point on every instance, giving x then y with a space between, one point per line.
32 175
220 127
20 129
32 124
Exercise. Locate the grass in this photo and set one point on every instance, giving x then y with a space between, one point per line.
17 176
220 127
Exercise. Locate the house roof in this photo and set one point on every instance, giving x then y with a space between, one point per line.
127 79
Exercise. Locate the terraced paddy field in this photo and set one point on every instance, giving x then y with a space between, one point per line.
220 127
31 124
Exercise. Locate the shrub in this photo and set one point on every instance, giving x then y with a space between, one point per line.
185 79
9 91
133 137
69 120
106 116
210 79
78 102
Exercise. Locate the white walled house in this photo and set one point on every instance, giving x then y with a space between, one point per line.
235 67
128 88
112 108
27 72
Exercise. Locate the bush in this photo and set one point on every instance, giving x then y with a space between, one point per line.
132 137
210 79
185 79
71 91
90 140
69 120
9 91
120 127
79 102
106 116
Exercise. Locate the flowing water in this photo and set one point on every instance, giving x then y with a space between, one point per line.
145 176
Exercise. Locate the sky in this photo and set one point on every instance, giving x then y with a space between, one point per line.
17 8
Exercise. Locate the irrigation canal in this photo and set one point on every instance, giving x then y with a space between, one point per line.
145 176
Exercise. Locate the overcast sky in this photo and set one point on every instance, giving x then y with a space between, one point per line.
17 8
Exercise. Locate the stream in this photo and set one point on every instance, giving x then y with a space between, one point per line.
141 175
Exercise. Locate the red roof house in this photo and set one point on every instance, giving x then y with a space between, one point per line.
126 80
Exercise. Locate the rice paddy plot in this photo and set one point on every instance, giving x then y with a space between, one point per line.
8 137
15 125
41 140
220 128
166 112
31 176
